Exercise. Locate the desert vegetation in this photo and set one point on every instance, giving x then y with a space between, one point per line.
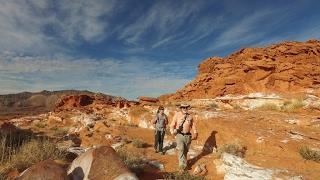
133 161
288 106
19 153
182 176
138 143
309 154
235 148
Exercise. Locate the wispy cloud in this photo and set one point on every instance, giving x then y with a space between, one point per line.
128 78
246 30
85 19
43 26
163 19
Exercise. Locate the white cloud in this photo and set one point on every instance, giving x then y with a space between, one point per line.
128 78
24 23
84 18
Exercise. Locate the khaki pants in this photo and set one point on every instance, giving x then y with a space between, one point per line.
183 144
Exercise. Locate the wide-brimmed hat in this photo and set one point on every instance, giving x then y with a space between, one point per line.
184 106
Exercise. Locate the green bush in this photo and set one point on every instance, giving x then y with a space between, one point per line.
182 176
309 154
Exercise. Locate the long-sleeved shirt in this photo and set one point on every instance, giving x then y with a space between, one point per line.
178 119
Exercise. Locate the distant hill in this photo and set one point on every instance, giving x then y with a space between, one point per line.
27 103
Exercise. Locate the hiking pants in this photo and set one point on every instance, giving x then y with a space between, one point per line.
183 144
158 140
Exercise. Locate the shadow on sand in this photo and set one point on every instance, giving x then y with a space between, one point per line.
208 148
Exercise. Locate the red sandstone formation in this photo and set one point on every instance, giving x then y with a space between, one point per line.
147 100
288 67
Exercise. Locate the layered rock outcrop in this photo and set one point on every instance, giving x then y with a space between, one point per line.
288 67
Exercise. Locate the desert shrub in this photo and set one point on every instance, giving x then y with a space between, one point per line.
40 125
234 148
138 143
269 107
182 176
309 154
133 161
212 105
34 151
236 106
60 131
3 175
28 153
291 106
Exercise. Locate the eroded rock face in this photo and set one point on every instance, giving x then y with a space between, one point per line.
98 164
45 170
74 101
284 67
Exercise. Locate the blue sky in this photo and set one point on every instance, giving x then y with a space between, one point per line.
135 47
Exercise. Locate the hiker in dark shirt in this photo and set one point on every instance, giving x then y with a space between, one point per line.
160 121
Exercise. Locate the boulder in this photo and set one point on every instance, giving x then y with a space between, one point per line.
98 164
236 168
45 170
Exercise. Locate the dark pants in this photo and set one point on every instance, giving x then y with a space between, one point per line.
158 140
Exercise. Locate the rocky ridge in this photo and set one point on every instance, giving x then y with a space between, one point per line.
285 68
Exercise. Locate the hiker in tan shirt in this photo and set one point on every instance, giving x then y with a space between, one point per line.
181 127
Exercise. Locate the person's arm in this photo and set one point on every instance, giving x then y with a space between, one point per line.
194 128
173 124
154 121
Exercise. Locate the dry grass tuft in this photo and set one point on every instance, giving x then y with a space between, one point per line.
269 107
182 176
60 131
213 105
292 105
133 161
16 155
235 148
309 154
138 143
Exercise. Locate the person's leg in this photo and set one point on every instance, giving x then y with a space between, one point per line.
187 142
180 147
161 141
156 140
